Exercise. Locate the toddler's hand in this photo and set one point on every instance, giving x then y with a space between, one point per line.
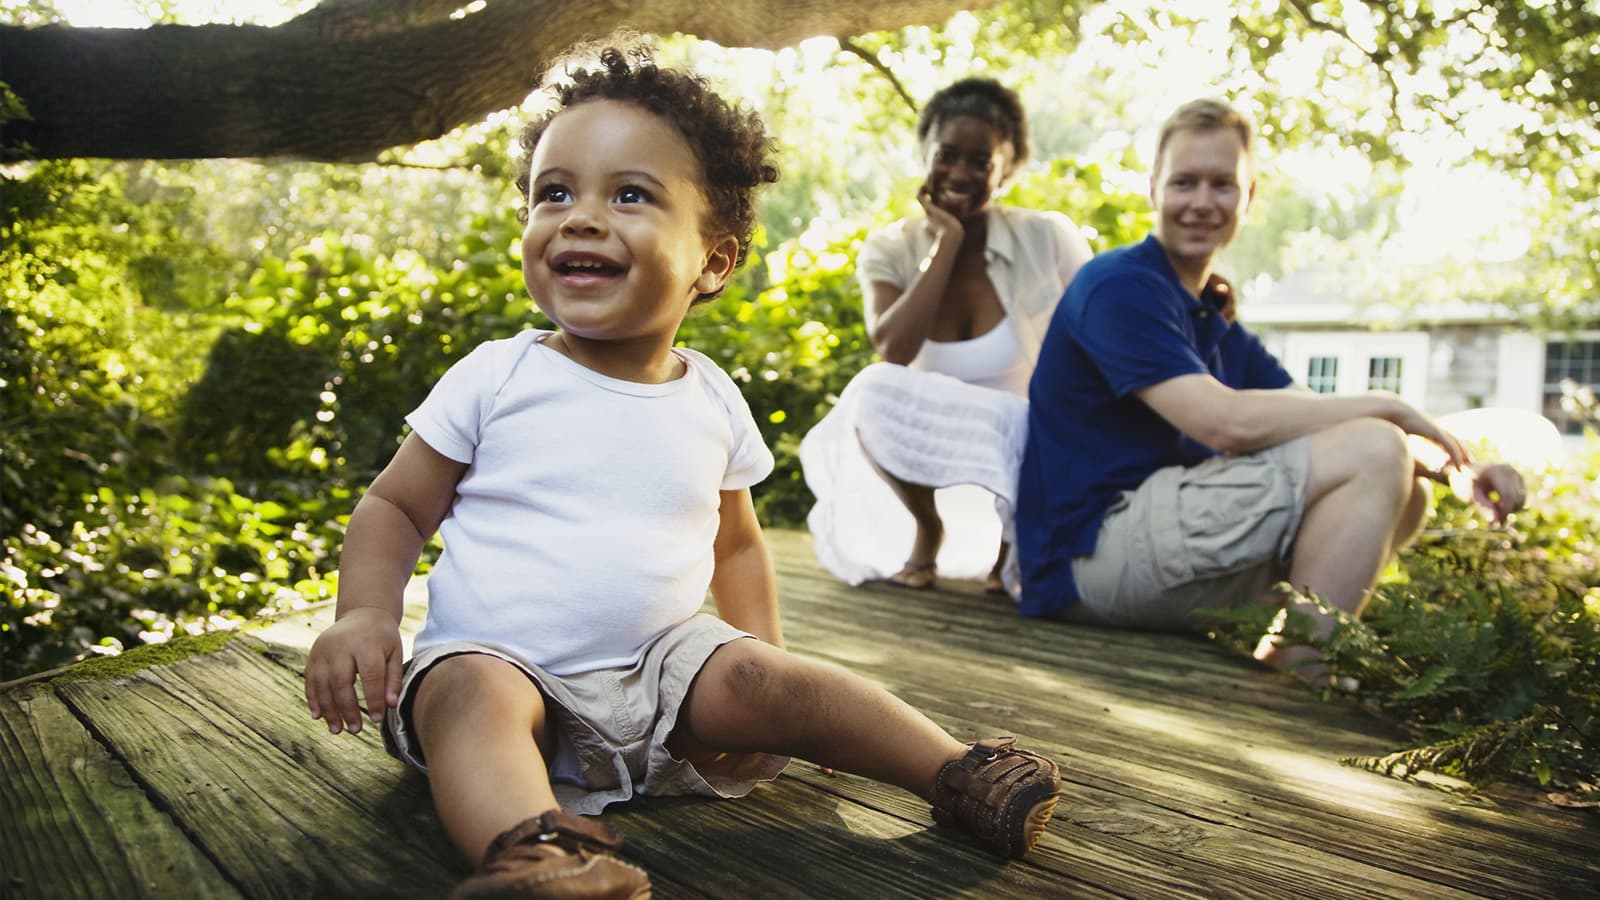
365 644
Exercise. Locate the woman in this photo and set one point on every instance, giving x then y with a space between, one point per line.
957 302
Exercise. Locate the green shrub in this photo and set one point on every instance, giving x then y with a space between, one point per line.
181 556
791 349
360 340
104 538
1484 641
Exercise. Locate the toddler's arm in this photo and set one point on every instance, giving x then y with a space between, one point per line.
743 584
399 512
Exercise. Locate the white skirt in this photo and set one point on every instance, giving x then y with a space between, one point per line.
924 428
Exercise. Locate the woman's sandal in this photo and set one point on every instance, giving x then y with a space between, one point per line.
1001 795
914 576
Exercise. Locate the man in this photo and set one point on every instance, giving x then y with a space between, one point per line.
1171 463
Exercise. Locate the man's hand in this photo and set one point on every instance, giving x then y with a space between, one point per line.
1415 422
365 644
1498 488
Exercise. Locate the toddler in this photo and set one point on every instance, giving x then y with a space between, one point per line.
590 484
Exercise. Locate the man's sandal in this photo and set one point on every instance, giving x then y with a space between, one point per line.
914 576
556 856
1003 796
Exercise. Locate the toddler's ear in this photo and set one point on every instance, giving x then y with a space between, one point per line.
720 258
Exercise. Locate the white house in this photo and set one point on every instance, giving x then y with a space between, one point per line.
1444 358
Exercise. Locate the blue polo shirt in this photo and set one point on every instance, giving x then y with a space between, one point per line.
1125 323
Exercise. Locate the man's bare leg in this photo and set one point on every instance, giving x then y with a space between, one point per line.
1363 505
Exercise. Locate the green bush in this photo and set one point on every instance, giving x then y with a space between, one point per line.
1484 641
791 349
180 556
104 540
352 343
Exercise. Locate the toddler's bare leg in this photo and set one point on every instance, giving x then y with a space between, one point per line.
753 697
482 727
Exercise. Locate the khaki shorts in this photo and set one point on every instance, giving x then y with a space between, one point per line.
1210 536
611 725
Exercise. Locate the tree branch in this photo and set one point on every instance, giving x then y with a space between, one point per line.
340 19
1379 56
871 59
356 79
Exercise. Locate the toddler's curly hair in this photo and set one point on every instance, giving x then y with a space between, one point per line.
731 143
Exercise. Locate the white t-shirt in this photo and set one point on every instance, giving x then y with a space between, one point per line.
583 526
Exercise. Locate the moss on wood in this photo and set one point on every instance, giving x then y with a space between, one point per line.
104 668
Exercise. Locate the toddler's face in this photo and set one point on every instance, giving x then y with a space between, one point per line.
613 249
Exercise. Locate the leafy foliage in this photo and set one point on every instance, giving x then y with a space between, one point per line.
1108 215
105 542
1484 642
791 349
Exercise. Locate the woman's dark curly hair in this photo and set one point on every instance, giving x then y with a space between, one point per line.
731 143
986 100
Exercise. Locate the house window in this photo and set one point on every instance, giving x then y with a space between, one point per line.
1352 362
1578 364
1383 373
1322 374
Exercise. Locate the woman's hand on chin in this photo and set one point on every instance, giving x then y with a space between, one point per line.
941 221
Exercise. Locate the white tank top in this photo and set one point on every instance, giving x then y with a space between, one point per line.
993 359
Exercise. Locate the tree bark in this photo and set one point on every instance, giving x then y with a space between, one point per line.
352 77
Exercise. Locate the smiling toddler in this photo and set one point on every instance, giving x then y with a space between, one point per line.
591 483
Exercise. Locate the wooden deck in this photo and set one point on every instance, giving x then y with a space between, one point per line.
1186 772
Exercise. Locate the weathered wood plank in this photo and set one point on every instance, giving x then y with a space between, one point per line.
1139 849
75 823
1169 758
1177 667
790 839
1264 770
1188 773
302 628
287 809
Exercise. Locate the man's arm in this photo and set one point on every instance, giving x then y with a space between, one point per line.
743 584
1242 421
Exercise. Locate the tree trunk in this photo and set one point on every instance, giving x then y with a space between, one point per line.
353 77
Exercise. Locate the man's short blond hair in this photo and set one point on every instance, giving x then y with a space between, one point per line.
1207 114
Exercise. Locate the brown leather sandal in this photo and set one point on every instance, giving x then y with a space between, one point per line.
556 856
1002 795
914 576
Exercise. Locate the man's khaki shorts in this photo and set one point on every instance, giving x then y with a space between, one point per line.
611 725
1210 536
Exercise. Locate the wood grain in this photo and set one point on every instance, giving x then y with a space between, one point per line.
75 823
1186 772
223 742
